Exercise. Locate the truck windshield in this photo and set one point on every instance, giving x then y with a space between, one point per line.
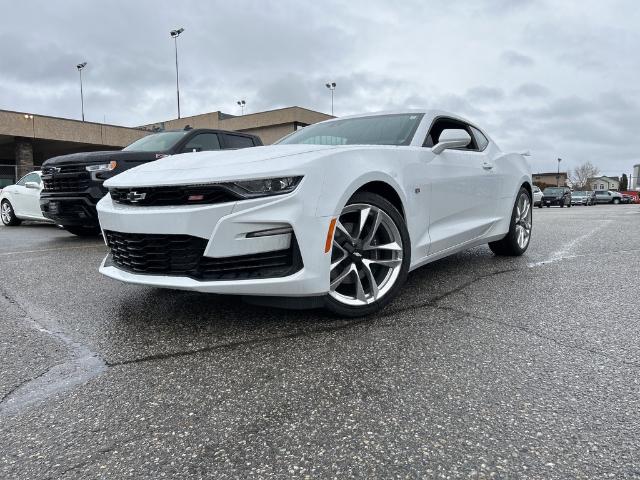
396 129
156 142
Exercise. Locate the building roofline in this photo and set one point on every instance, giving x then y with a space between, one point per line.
84 122
231 116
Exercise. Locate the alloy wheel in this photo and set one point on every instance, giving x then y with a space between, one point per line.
523 221
366 257
6 213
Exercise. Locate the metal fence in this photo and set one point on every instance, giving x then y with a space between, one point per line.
9 174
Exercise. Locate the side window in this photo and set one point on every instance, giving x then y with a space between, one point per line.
237 141
30 177
481 140
448 123
203 142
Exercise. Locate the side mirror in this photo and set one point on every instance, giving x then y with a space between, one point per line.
34 185
451 138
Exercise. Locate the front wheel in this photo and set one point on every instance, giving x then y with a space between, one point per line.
82 231
516 242
8 215
370 256
616 201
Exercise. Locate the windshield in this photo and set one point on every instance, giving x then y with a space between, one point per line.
579 194
375 130
553 191
157 142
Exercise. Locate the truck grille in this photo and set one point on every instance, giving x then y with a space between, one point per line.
77 183
173 195
66 178
182 255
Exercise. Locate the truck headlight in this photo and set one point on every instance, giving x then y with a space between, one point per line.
264 187
102 167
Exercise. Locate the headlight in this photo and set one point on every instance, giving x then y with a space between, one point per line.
103 167
264 186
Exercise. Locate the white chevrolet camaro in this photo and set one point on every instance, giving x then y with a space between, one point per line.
336 213
22 201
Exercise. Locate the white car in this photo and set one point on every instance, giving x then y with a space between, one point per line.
537 196
338 212
22 201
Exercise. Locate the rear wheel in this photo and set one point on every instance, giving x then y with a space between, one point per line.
369 258
82 231
516 242
8 215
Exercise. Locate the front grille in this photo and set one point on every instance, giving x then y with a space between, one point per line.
173 195
66 178
75 183
182 255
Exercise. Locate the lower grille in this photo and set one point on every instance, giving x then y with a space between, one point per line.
182 255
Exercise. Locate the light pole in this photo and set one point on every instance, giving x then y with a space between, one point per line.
331 86
242 103
80 66
558 175
175 34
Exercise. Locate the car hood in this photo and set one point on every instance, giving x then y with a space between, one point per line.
99 157
222 165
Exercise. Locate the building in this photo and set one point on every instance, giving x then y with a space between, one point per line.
634 181
604 183
550 179
27 140
270 126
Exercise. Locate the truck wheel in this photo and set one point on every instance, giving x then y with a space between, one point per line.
82 231
8 215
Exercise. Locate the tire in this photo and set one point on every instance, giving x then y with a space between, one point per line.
616 201
357 262
540 206
82 231
562 205
569 205
512 245
8 215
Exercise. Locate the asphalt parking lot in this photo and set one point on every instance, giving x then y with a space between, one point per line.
484 366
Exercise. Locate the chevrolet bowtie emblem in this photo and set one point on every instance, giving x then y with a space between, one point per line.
135 197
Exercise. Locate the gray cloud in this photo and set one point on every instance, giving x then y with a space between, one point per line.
516 59
555 78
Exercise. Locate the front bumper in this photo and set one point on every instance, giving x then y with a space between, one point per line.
552 201
225 226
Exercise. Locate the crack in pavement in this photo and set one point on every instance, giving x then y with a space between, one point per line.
534 333
81 367
345 325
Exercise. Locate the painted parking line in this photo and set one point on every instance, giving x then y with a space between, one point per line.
3 254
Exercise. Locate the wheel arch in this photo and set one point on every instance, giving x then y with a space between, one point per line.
374 182
386 191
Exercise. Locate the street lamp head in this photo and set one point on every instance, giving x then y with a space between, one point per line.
80 66
331 85
177 32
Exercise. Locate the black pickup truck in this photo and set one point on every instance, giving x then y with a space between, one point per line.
73 183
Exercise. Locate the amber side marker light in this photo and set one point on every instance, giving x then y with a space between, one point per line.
332 227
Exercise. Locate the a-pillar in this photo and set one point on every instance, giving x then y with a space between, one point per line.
24 157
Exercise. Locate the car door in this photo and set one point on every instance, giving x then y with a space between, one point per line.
464 189
28 199
19 199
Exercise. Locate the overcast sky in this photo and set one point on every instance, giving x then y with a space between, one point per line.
557 78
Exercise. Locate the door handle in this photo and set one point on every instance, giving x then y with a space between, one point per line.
487 165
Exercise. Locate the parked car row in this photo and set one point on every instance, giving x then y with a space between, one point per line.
334 215
564 197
